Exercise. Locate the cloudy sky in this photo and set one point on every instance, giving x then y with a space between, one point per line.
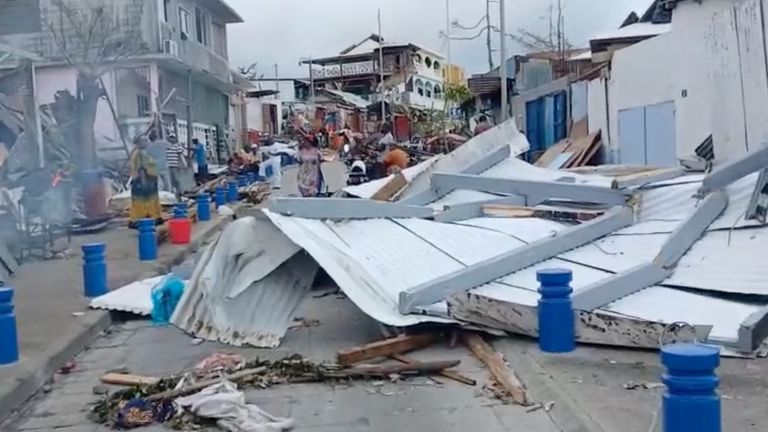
283 31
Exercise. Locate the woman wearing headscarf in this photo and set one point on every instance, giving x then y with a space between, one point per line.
145 197
310 173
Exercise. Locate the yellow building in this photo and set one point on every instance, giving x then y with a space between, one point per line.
453 74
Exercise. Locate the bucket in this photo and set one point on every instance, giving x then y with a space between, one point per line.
180 231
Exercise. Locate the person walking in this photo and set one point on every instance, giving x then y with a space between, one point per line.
310 174
176 162
201 159
145 198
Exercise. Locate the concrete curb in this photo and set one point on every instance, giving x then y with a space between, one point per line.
566 413
36 372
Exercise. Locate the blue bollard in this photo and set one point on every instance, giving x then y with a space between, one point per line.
9 339
556 317
232 192
242 180
147 240
180 210
203 207
221 196
691 401
94 269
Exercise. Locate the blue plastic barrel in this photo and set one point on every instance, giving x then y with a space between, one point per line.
203 207
556 317
94 269
691 401
221 196
180 211
9 339
147 240
232 192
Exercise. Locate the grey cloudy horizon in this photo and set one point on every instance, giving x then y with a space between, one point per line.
284 31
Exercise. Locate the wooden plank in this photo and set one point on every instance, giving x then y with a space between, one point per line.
389 190
385 348
445 373
128 379
173 394
554 213
579 129
495 363
553 152
590 151
580 146
419 368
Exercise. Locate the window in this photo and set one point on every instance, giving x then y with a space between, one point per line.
184 23
436 65
438 92
420 87
142 102
428 62
166 10
219 39
428 90
201 26
417 58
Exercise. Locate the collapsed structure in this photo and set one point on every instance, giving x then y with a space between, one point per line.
460 242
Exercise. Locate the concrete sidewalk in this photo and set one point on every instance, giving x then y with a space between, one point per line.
53 317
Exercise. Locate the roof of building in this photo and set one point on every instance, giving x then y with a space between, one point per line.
223 10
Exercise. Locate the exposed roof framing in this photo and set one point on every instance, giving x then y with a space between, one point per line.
647 177
491 269
345 208
736 169
534 190
470 210
637 278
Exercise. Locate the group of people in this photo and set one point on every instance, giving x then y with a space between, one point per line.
157 164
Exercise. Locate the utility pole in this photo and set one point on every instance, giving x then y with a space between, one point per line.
504 93
448 40
488 34
277 78
381 71
311 83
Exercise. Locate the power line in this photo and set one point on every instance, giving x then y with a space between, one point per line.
456 24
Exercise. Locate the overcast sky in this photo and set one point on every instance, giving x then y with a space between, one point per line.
283 31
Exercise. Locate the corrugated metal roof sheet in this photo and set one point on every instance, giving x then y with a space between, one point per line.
135 298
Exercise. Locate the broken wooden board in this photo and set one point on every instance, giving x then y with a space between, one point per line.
383 371
128 379
579 129
494 361
557 214
385 348
598 327
552 153
444 373
580 148
389 190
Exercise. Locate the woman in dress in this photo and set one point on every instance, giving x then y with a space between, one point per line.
145 197
310 174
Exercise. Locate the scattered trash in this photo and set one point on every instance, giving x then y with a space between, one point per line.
197 341
78 314
100 390
165 296
226 211
219 362
645 385
139 412
226 404
303 322
67 368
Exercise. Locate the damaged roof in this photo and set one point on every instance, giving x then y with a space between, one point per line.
667 252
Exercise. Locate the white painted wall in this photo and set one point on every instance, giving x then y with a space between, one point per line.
255 113
670 67
57 78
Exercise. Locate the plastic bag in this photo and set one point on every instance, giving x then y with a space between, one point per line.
165 296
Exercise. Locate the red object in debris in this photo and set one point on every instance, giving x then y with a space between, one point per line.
180 231
94 193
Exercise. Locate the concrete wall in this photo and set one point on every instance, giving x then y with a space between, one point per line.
670 67
190 50
209 105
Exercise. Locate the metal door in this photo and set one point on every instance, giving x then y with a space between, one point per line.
660 143
549 121
534 125
561 117
632 136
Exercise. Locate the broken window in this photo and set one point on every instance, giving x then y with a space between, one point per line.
436 65
142 103
417 58
166 10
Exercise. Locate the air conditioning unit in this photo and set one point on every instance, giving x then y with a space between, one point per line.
171 47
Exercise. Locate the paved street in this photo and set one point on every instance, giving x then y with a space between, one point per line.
418 404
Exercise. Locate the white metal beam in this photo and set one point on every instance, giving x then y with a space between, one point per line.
345 208
542 189
640 277
470 210
510 262
734 170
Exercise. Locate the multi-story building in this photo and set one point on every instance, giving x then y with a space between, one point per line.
178 59
413 75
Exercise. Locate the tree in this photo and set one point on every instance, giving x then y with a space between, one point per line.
93 37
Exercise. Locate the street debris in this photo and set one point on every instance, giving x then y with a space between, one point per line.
385 348
219 363
511 387
146 403
300 322
644 385
124 379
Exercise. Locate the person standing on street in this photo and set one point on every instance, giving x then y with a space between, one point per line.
145 200
174 158
157 148
201 159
